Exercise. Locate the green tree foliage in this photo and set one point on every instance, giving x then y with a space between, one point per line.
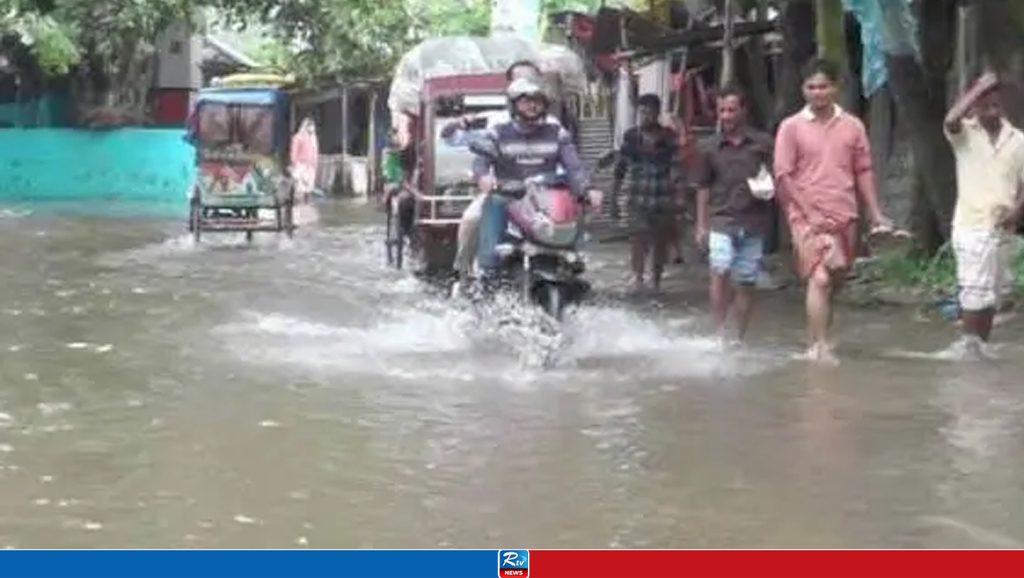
353 37
51 41
108 47
361 38
118 44
313 38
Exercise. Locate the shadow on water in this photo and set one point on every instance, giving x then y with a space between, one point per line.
298 393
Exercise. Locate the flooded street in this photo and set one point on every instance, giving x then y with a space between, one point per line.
300 394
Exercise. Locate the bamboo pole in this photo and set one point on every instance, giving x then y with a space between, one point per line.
728 54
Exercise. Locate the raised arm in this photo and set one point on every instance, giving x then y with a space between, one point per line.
452 126
955 116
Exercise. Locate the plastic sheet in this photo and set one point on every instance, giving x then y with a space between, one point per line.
455 55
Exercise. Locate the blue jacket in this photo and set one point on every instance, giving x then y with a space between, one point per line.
538 150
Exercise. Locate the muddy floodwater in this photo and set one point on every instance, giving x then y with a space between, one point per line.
300 394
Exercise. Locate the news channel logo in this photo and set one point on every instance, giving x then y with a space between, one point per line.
513 563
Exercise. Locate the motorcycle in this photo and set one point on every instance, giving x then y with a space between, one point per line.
540 255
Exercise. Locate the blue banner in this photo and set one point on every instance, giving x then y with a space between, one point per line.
874 73
885 26
251 563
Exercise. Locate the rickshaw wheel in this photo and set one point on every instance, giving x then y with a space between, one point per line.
289 214
389 225
195 214
396 236
437 250
396 233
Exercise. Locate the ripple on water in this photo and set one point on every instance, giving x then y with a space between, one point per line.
343 261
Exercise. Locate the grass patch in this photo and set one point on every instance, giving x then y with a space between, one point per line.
934 277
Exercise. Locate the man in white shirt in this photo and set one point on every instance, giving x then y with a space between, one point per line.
989 172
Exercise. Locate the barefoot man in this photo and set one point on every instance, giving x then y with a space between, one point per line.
822 167
989 174
649 154
731 220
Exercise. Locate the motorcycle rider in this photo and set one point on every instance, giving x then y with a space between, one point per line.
469 225
529 146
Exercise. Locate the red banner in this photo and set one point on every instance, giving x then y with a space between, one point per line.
775 564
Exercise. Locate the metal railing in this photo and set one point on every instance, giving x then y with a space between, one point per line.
444 209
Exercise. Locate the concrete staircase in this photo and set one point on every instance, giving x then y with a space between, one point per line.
595 139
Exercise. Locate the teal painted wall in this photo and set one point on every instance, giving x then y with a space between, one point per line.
132 165
47 111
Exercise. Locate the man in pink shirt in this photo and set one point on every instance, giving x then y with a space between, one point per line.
822 168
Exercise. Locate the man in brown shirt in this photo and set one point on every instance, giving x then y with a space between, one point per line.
731 221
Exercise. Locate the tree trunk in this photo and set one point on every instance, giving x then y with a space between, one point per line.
890 168
797 20
881 124
115 92
830 38
919 92
928 236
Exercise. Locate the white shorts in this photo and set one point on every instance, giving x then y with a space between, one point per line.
983 267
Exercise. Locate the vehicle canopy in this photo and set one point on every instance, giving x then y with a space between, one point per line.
253 118
254 80
464 56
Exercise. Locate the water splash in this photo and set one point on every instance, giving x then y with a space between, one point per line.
348 313
512 343
961 350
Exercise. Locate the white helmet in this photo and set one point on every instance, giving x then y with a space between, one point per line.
526 87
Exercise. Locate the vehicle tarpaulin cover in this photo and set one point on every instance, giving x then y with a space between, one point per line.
455 55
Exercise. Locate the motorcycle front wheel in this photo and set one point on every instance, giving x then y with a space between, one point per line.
551 299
